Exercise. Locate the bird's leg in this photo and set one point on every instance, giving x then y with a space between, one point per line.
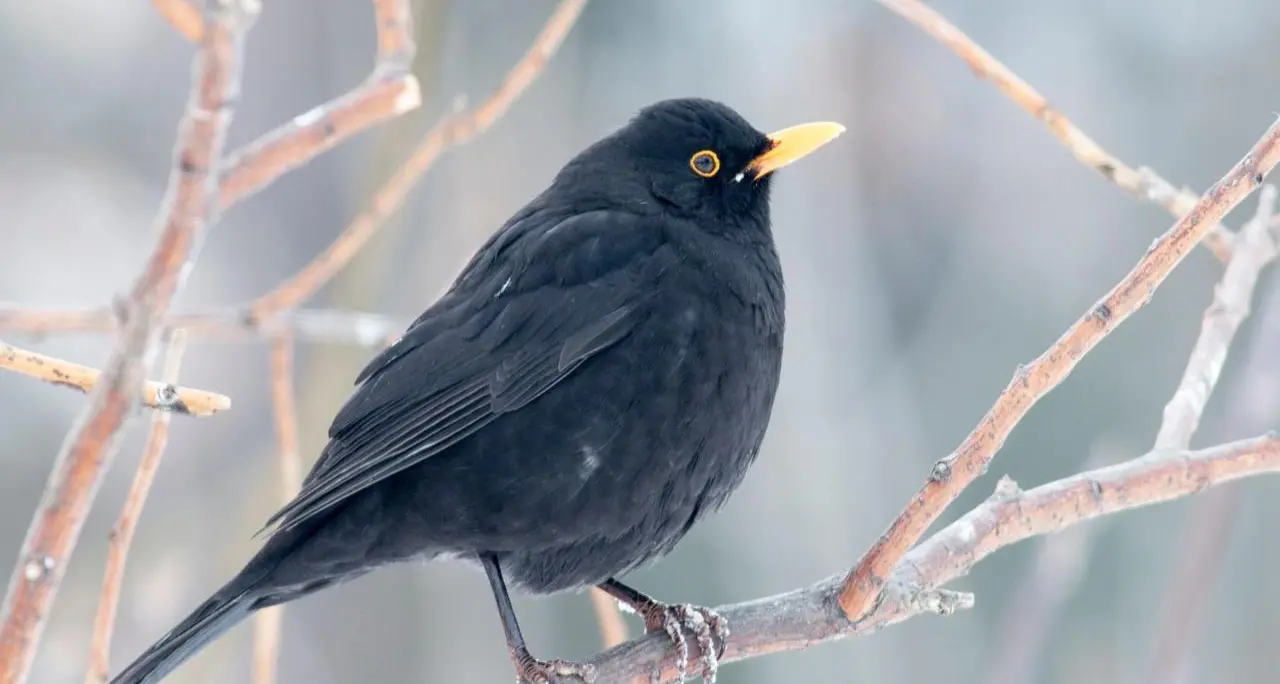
529 670
707 626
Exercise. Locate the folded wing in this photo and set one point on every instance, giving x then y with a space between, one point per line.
523 316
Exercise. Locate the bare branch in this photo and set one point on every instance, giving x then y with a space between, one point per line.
163 396
1198 563
892 582
1186 599
955 472
284 406
183 16
806 617
1062 557
1143 183
613 630
382 97
1010 515
266 625
387 93
191 204
229 324
122 531
1255 248
394 23
1036 602
447 133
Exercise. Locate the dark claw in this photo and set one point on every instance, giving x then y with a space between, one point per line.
706 625
530 670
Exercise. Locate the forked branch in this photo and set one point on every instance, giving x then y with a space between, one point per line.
812 615
189 207
122 532
387 93
955 472
1063 558
449 132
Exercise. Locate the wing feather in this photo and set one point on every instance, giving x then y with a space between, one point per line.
510 330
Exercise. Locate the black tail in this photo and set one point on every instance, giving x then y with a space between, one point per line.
214 617
251 590
257 586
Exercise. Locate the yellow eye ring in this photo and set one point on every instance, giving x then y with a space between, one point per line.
705 163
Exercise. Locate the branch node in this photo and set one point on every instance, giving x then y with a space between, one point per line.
1007 489
410 98
167 398
942 470
941 601
39 568
120 307
248 318
1102 313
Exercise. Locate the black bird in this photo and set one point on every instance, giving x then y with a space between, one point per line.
597 379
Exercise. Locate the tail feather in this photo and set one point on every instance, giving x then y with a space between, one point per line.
213 618
260 584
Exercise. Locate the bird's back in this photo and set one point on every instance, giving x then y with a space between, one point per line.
611 468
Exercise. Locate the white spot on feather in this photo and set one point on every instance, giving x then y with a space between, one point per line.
590 462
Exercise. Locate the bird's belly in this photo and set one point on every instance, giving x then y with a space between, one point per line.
610 468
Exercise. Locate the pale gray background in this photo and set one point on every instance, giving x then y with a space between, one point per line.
944 239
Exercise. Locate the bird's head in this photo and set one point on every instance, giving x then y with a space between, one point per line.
693 157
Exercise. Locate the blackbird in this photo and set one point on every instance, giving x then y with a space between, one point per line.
597 379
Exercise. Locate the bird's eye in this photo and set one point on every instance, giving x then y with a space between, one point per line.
705 163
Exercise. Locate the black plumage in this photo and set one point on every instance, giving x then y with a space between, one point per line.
597 379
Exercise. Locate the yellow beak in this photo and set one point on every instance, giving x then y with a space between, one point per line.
790 144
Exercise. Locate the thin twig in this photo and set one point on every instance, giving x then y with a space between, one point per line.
1033 607
1011 515
1143 182
955 472
808 616
394 22
266 626
1211 520
253 167
227 324
1211 524
1062 558
387 93
1255 248
122 532
451 131
164 396
613 630
183 16
190 205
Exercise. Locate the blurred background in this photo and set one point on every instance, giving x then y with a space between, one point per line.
943 240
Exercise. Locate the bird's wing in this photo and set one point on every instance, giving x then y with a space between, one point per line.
522 317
